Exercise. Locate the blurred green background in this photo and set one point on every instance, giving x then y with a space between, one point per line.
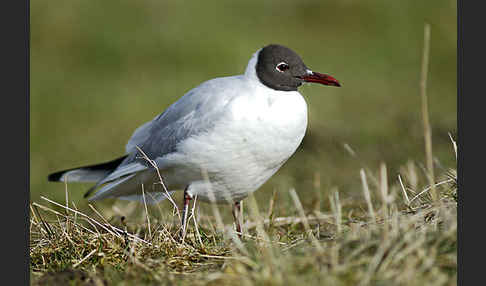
99 69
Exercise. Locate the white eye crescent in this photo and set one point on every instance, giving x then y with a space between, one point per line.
281 67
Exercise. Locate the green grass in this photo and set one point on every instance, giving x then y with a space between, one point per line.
99 69
400 242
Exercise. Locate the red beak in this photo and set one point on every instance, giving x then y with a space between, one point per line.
321 78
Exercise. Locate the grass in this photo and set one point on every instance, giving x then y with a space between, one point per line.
335 214
407 240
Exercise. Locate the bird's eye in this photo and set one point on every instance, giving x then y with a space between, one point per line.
281 67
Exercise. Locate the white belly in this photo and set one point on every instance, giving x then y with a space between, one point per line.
245 150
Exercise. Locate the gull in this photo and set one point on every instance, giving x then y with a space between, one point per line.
220 141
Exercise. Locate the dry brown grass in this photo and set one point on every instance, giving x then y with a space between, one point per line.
404 242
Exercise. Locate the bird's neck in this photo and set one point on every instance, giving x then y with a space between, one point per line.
250 71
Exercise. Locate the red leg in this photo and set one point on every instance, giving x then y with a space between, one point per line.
185 210
237 217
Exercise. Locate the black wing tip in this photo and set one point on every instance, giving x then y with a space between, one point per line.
55 177
111 165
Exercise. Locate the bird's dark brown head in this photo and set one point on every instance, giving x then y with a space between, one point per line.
280 68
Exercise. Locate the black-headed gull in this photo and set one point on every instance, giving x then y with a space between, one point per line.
220 142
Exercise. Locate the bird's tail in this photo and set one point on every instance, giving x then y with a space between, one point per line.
117 182
91 173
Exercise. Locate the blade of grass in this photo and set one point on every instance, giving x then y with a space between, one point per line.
367 195
425 112
305 222
146 212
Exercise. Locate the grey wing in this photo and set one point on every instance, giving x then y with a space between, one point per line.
141 134
197 111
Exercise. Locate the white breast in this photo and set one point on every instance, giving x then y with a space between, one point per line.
259 133
272 123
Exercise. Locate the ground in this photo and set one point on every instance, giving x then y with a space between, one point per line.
397 240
